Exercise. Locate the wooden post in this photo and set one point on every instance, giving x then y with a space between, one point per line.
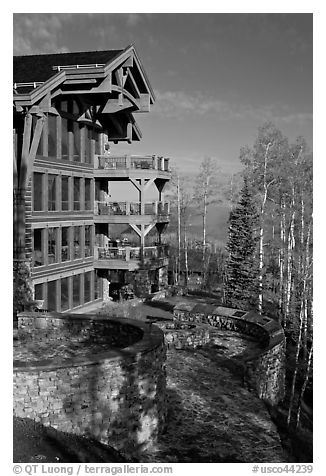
21 178
128 253
127 208
141 197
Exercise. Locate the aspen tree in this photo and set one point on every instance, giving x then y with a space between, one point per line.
205 193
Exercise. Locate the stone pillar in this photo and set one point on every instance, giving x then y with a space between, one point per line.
163 278
141 283
22 286
19 222
106 290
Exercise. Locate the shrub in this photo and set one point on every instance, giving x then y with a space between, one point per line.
22 289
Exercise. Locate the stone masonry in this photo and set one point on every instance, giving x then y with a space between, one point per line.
117 397
264 372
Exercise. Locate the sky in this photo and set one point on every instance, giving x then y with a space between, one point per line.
217 77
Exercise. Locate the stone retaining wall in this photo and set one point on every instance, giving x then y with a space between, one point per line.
178 338
117 396
264 372
54 328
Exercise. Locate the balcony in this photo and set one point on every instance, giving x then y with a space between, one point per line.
130 257
132 212
131 166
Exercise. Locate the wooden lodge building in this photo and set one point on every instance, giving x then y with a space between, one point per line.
68 108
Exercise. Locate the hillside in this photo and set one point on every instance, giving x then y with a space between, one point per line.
217 223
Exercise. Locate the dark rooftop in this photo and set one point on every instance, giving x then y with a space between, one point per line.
32 68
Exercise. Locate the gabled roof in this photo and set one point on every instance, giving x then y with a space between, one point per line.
113 80
36 75
39 68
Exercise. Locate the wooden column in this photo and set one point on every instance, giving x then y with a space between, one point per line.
58 195
141 197
71 193
82 288
82 241
45 234
82 193
22 174
58 295
70 299
59 243
59 137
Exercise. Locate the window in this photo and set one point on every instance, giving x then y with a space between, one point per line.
97 190
76 142
65 192
64 294
38 291
65 253
38 254
88 204
70 139
88 240
77 242
52 296
77 183
88 145
76 290
75 107
52 245
97 137
87 286
37 191
52 193
64 105
52 136
97 286
64 139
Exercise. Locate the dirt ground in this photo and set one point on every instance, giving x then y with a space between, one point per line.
34 443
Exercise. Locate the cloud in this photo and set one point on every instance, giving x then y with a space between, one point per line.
36 33
299 118
39 33
133 19
179 105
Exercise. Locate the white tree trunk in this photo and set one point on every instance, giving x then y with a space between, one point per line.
289 277
186 255
305 276
296 363
261 233
261 265
304 386
281 261
204 230
179 232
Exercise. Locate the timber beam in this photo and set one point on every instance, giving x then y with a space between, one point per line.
29 148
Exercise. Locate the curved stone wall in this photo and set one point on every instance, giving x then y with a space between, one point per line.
264 372
116 396
185 335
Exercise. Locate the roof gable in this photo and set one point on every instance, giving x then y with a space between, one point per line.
113 80
39 68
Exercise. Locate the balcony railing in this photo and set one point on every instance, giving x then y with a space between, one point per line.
150 162
128 253
132 208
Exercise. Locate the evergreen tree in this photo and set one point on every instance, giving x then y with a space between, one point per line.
241 267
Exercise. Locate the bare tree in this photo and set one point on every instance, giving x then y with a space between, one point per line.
205 193
182 196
